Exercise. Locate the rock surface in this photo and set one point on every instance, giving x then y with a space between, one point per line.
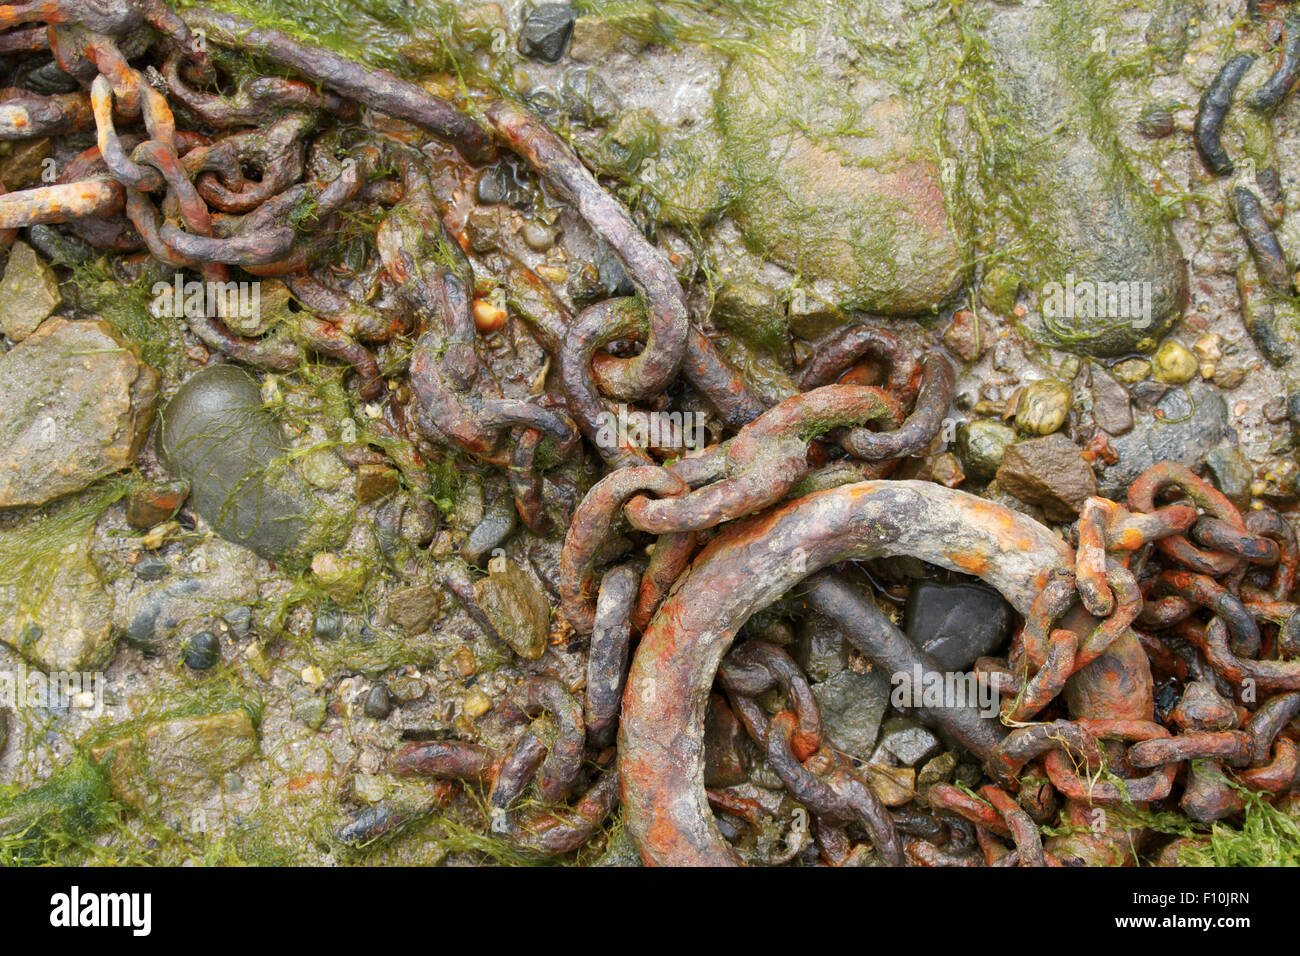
1049 472
834 182
174 760
956 623
54 610
852 706
217 436
1183 426
516 607
29 293
79 407
1085 214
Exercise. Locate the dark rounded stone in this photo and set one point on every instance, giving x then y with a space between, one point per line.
378 702
328 625
202 651
150 567
956 623
218 436
546 31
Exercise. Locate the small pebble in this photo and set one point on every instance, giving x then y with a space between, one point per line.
202 651
538 236
476 704
1043 406
488 317
379 704
1174 363
328 625
1131 371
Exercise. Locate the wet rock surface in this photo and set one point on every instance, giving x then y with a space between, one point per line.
1087 214
81 405
217 436
1182 426
174 761
853 706
29 293
838 185
794 172
956 623
1049 472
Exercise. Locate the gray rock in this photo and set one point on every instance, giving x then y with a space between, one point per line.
1049 472
981 446
239 620
819 648
29 293
1111 409
834 184
587 97
54 610
218 437
1231 473
516 607
852 706
78 407
1177 429
956 623
202 651
907 740
379 703
546 31
1086 213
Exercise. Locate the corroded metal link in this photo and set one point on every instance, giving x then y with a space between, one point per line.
1027 743
25 115
1155 786
1212 641
747 567
1234 746
592 523
840 798
1129 532
1208 593
757 666
252 102
375 88
1267 523
560 772
1142 497
918 429
95 198
277 151
670 557
764 460
836 353
1221 536
607 661
1024 832
651 371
